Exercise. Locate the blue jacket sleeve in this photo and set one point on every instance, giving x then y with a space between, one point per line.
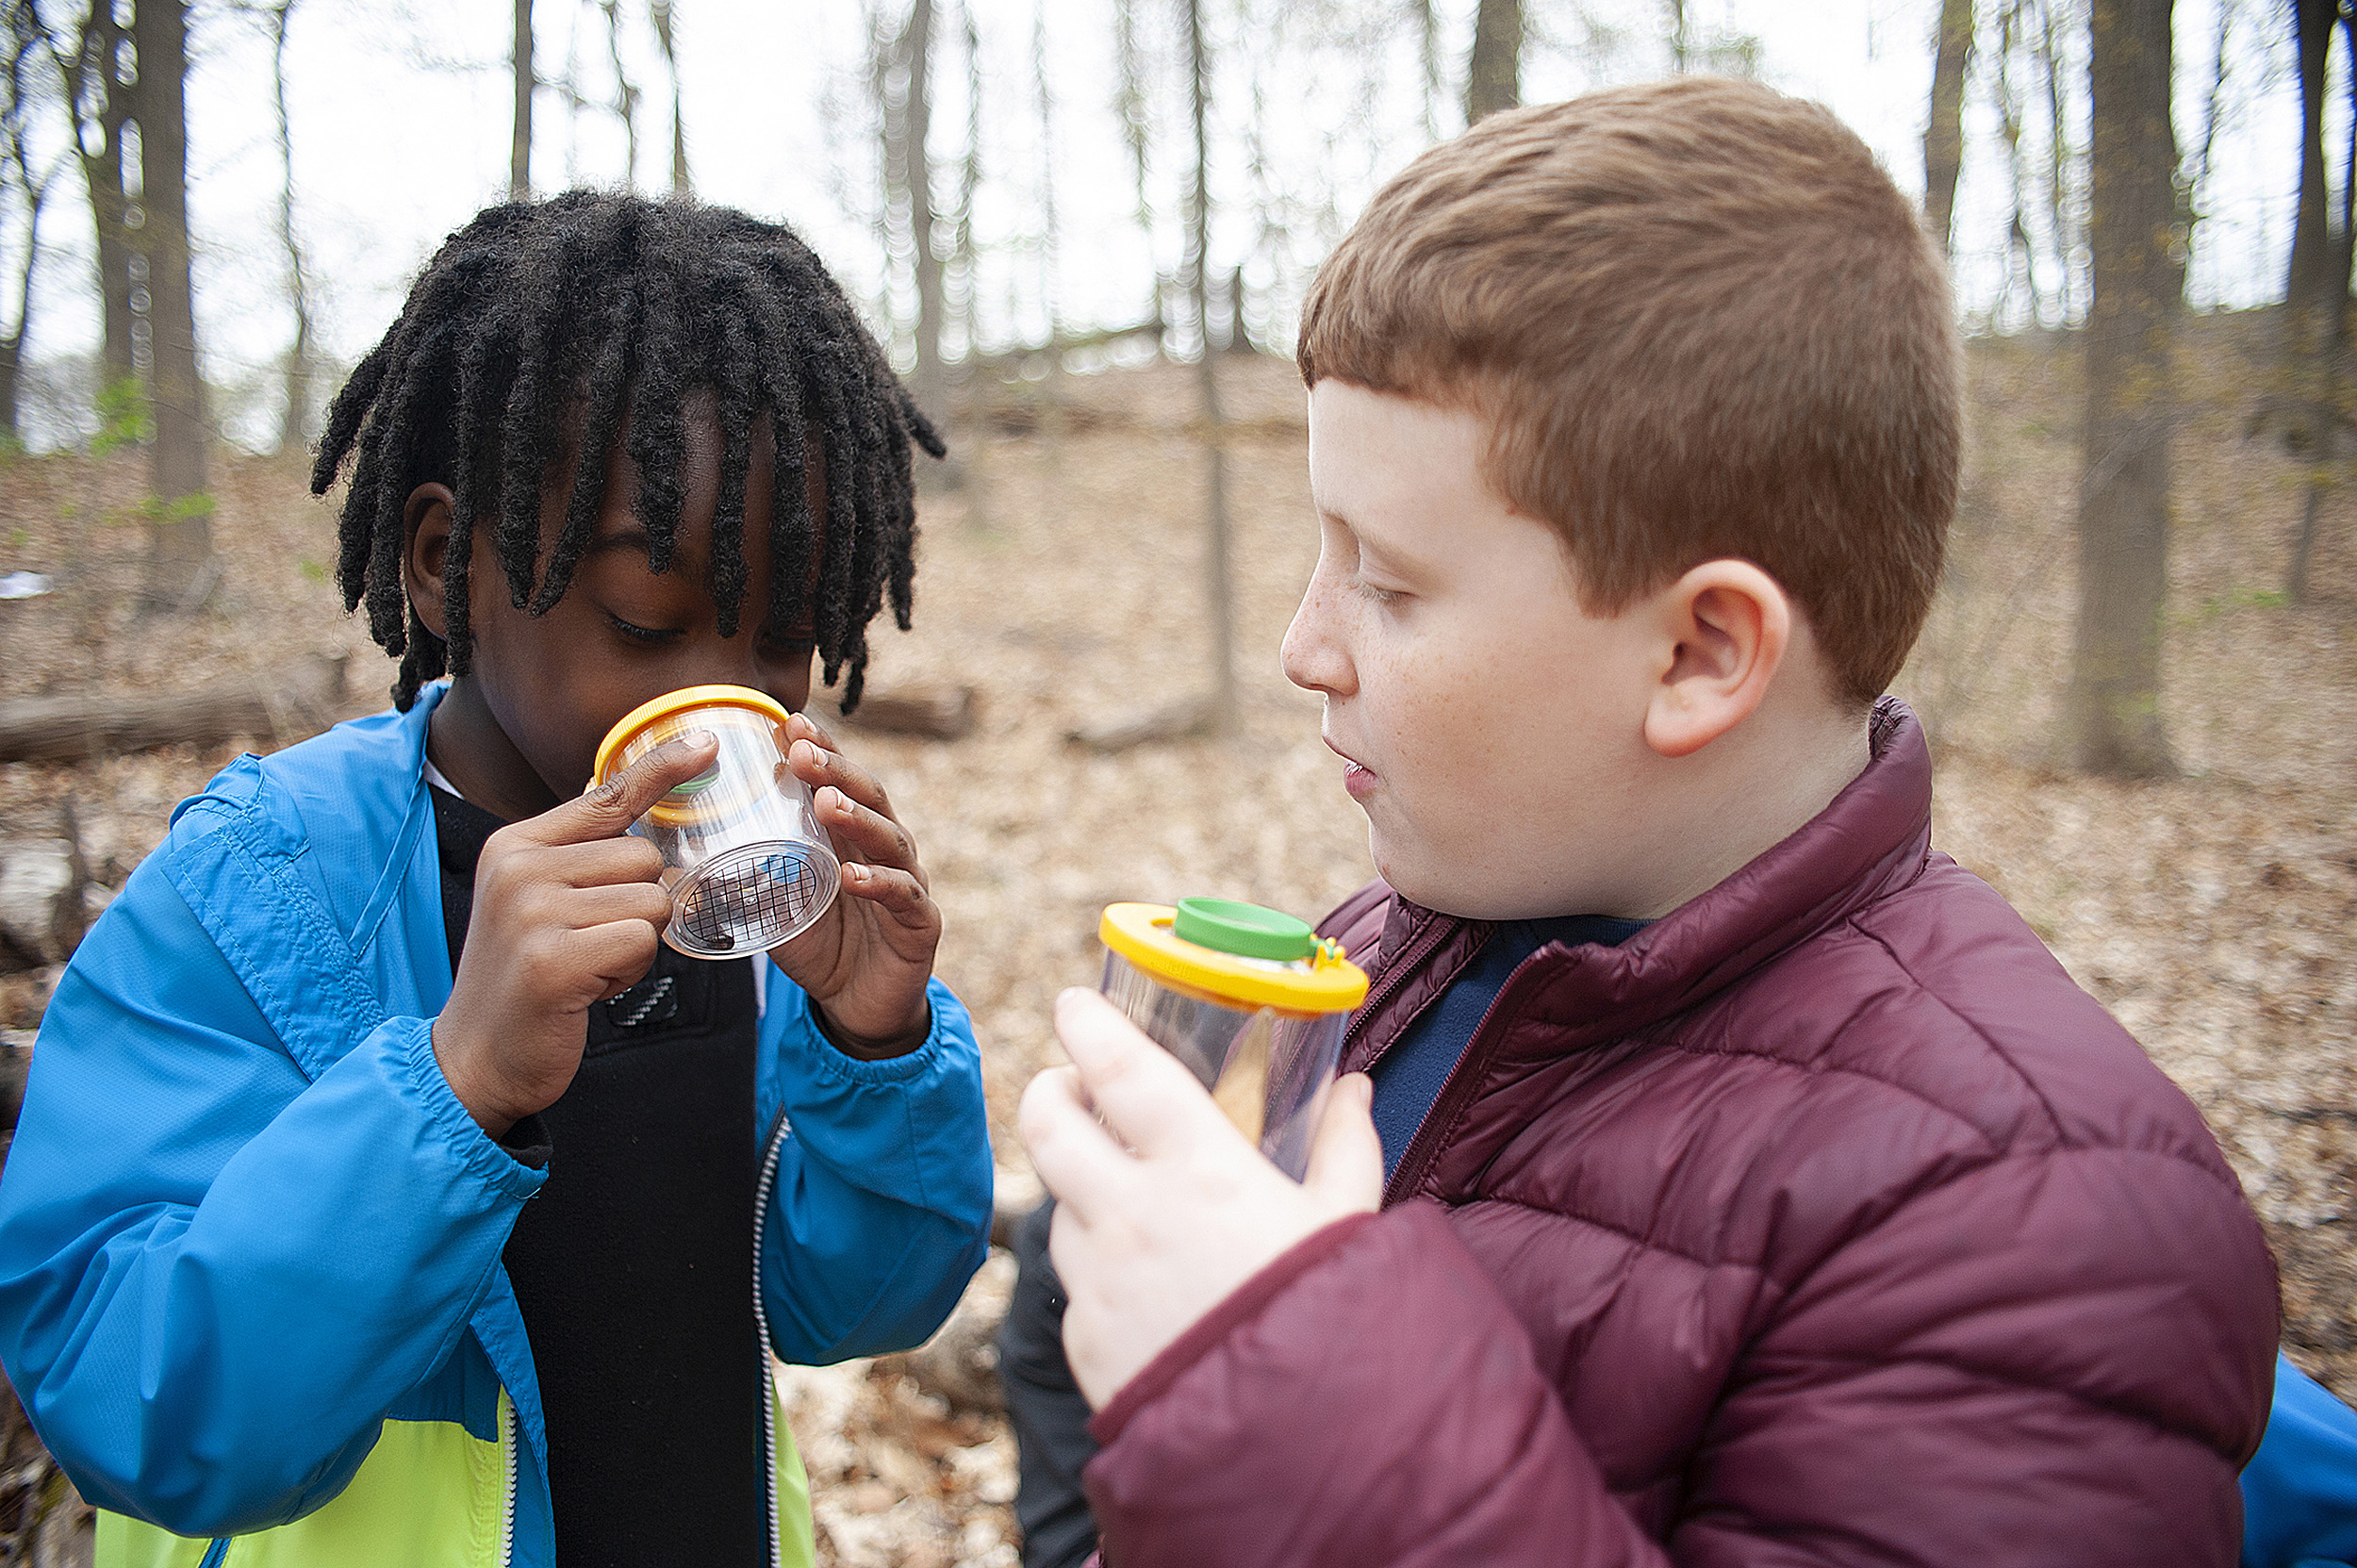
879 1204
2299 1491
216 1275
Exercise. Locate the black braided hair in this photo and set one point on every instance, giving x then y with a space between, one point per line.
540 316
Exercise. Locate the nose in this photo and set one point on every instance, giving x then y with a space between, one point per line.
1312 653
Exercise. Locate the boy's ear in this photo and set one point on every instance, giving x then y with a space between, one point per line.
425 526
1724 630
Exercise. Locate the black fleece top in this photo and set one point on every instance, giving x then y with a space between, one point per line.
633 1264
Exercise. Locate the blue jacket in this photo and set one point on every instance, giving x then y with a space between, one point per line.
246 1226
2299 1491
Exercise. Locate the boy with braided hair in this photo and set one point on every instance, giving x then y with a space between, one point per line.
270 1284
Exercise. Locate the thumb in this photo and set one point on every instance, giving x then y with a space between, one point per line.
1347 1157
609 808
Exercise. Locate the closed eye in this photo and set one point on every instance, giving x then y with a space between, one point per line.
651 635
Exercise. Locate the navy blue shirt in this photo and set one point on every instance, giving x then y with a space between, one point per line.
1408 1076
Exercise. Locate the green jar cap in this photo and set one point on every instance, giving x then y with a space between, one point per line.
1247 930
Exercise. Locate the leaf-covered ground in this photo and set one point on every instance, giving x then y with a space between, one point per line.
2213 912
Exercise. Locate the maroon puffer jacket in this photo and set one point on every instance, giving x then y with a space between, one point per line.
1826 1221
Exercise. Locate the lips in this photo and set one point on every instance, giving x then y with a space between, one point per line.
1358 778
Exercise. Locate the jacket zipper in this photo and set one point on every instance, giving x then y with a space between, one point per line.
761 1323
1446 1103
1412 959
509 1432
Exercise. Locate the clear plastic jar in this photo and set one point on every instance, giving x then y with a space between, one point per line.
1250 1000
744 860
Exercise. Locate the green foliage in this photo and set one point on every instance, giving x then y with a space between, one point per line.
124 417
312 571
19 537
2243 598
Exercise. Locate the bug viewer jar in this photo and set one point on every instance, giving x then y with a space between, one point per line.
1253 1001
744 858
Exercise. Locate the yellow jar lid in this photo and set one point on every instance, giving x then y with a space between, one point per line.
680 701
1324 981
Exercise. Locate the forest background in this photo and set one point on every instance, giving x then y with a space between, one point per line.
1083 227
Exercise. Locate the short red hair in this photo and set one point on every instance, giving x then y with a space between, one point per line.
1702 323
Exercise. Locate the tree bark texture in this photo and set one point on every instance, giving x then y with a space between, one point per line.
98 85
1494 72
1219 573
1943 134
294 421
519 135
2311 285
181 540
929 385
26 38
2112 706
659 12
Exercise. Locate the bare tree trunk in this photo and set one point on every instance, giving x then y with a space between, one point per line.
180 540
972 474
1428 56
2114 719
1494 72
98 84
660 12
12 346
25 40
625 92
520 139
2059 212
1681 50
2310 285
294 423
1943 135
929 383
1218 586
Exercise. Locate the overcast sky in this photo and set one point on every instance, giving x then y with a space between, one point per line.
400 126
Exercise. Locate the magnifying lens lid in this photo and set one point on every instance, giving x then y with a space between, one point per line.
1235 953
678 702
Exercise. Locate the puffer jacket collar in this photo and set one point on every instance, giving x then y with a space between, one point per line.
1874 837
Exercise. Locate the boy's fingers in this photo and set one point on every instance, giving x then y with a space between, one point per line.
1346 1155
586 908
900 894
1149 1100
1073 1157
816 765
611 807
604 862
618 954
800 726
880 839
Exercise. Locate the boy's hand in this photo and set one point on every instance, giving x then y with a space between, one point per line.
865 963
1162 1208
567 912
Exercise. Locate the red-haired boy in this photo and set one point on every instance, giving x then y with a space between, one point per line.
1759 1189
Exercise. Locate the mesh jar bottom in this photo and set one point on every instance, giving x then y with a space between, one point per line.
750 899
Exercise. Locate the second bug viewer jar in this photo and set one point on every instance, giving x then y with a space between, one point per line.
1251 1000
744 860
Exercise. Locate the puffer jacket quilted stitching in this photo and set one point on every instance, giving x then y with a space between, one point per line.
1823 1222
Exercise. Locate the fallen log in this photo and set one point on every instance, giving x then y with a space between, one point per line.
929 713
68 729
1185 720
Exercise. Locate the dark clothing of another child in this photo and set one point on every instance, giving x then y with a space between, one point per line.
632 1265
